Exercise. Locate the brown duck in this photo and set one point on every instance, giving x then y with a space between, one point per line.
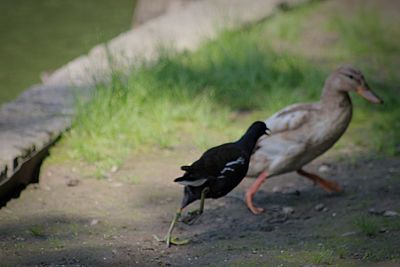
302 132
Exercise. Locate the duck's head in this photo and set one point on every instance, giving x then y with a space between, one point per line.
347 79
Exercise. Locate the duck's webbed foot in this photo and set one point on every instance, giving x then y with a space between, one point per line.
327 185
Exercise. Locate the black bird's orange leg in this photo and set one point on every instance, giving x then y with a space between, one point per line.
252 190
327 185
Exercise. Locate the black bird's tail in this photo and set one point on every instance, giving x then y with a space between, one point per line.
186 168
179 179
191 180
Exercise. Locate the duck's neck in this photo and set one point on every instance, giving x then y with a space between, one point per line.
335 100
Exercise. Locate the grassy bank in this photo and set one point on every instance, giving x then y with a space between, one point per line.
211 95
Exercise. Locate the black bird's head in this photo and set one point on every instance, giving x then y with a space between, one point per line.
259 128
255 131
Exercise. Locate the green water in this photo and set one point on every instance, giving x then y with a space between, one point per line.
42 35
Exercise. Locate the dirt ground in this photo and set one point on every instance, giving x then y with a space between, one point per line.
70 219
73 219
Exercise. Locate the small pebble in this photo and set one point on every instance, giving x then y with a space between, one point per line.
276 189
287 210
73 182
390 213
349 233
117 184
375 211
319 207
94 222
267 228
324 168
45 187
114 168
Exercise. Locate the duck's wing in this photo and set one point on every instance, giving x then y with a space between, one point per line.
291 117
287 137
217 162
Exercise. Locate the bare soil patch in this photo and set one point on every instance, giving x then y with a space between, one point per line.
69 219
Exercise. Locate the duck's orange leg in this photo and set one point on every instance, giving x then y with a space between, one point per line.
327 185
252 190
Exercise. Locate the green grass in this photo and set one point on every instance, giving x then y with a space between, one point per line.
316 255
322 256
368 34
189 96
134 180
56 243
197 97
368 39
367 225
368 242
36 231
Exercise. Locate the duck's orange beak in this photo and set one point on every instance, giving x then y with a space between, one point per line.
368 94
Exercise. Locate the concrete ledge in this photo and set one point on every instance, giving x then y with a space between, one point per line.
41 114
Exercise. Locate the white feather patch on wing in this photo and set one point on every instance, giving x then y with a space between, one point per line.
198 182
227 169
240 160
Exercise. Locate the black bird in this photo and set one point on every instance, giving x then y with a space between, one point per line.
218 171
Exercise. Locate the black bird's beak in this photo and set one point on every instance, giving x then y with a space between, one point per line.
268 131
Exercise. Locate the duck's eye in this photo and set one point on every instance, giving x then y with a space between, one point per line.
351 77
